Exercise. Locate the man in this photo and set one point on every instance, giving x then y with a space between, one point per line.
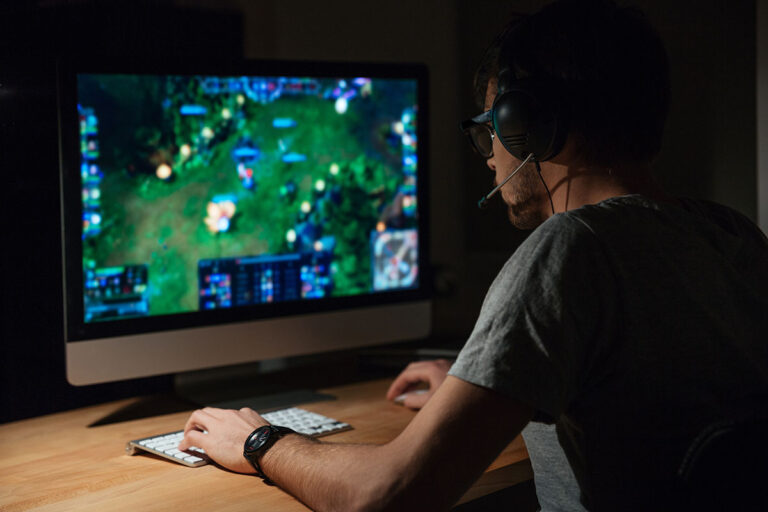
628 318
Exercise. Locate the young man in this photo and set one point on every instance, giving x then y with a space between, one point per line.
628 318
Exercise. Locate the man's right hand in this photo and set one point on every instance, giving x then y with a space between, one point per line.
430 372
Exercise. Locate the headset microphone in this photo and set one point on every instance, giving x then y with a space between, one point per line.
483 200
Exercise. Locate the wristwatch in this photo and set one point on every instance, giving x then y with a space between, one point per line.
259 442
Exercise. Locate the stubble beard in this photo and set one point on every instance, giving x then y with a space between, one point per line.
524 200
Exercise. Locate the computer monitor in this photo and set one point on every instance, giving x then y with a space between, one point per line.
217 213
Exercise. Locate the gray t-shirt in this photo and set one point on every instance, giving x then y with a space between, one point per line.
631 324
556 486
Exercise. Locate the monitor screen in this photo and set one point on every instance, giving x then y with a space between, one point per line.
197 197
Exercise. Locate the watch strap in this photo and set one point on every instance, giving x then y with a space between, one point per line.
253 456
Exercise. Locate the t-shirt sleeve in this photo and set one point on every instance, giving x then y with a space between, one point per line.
539 331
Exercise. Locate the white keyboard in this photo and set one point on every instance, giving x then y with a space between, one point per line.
300 420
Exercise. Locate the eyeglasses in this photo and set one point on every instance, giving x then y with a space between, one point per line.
480 133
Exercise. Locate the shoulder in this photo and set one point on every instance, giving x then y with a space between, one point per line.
726 218
562 249
559 238
592 222
561 231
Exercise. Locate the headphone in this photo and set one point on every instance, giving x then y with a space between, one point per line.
528 114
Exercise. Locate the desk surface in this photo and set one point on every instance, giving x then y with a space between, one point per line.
57 462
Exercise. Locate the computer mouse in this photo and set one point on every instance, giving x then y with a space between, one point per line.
400 399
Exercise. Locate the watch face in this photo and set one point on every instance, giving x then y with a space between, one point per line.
258 438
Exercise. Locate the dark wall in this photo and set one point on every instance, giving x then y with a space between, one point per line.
710 145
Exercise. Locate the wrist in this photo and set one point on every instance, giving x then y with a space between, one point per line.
259 442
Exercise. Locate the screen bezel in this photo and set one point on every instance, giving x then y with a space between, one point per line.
76 329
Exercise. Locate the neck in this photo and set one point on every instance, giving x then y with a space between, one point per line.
575 186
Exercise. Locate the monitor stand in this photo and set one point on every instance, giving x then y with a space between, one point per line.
276 383
279 383
261 386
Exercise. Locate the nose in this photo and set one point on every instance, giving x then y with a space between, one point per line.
491 163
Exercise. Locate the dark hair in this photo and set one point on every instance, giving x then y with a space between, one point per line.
612 66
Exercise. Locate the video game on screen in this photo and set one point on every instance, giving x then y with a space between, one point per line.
205 192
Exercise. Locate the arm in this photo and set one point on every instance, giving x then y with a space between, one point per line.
427 467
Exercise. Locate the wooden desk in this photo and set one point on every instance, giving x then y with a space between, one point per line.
56 462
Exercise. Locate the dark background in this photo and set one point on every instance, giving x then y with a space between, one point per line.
709 149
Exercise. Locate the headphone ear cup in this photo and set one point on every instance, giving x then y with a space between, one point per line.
527 124
511 121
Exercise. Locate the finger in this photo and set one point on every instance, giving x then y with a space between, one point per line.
403 383
414 373
417 400
194 438
191 422
199 420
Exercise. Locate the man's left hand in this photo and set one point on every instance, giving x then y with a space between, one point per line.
227 431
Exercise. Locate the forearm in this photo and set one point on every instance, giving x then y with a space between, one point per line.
329 476
427 467
325 476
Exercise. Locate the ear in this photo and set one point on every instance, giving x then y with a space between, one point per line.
528 118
